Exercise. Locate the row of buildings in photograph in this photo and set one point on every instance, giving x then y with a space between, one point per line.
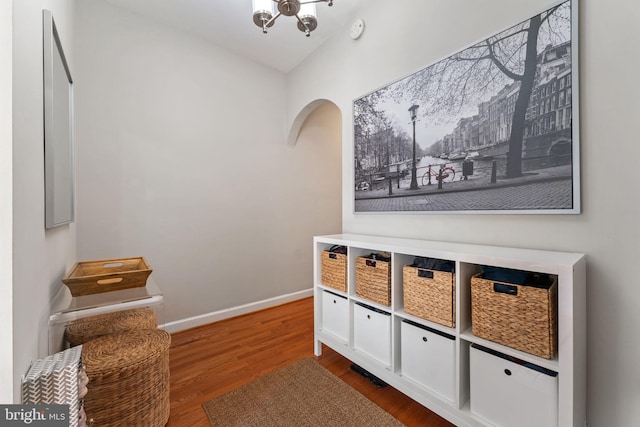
547 123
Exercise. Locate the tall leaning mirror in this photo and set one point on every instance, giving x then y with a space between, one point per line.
58 128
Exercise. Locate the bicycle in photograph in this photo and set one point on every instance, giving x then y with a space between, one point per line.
446 173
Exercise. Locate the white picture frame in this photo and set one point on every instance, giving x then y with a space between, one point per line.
495 127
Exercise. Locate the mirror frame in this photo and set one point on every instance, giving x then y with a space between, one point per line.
58 128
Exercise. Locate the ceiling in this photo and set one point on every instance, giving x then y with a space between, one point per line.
229 24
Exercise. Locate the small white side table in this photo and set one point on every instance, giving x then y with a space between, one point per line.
65 308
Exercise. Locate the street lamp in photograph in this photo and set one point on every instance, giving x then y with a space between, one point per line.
414 178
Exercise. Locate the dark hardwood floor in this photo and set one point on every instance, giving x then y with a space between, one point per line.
210 360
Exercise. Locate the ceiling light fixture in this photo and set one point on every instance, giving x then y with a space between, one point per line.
264 13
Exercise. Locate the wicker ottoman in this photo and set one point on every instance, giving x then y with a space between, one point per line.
128 378
85 329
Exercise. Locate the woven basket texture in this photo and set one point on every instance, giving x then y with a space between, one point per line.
87 328
432 299
527 321
373 280
334 270
128 378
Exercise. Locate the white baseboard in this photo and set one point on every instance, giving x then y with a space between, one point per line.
203 319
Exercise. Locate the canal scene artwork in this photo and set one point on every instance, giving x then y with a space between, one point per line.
492 128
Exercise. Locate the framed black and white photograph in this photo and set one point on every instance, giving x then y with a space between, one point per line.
492 128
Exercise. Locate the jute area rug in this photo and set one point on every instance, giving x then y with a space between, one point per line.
302 393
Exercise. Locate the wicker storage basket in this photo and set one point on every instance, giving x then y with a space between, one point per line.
373 280
334 270
94 277
520 317
129 378
430 294
87 328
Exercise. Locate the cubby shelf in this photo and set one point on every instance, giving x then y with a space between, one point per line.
569 363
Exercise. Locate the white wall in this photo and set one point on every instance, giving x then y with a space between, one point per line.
182 159
399 41
6 205
40 258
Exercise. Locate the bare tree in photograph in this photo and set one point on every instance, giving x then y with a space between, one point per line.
470 76
378 142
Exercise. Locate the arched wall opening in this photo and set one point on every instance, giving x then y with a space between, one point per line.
316 136
299 120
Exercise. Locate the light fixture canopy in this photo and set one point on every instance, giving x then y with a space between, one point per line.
264 13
